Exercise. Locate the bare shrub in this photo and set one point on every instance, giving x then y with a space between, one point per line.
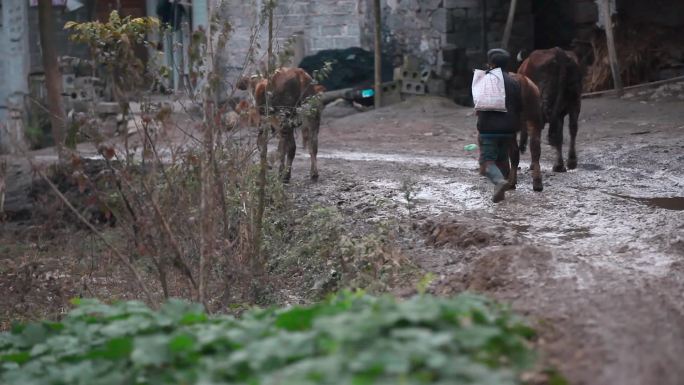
198 214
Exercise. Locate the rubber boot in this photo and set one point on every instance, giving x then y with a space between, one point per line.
495 175
504 167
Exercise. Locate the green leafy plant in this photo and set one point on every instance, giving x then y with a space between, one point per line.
112 43
352 338
409 191
424 283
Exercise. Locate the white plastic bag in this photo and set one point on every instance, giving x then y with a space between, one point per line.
489 93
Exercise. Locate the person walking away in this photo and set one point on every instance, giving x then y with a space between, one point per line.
497 129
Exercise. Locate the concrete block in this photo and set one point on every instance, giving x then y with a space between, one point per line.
348 7
441 20
436 87
411 63
461 3
391 93
455 40
68 81
451 55
413 87
430 5
107 108
345 42
412 5
353 29
331 30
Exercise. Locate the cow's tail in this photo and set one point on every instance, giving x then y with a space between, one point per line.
522 144
555 126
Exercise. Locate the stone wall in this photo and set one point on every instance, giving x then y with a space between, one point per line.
323 24
446 35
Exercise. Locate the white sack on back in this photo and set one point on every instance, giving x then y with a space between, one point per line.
489 93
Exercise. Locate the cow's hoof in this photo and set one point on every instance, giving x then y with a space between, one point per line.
512 187
314 178
537 185
572 164
559 168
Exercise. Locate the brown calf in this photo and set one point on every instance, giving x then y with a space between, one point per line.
531 124
292 105
558 75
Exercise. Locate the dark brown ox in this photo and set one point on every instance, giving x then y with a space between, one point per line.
292 105
558 75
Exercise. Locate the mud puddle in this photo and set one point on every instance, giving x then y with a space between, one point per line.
444 161
667 203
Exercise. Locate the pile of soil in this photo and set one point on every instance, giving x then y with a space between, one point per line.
464 233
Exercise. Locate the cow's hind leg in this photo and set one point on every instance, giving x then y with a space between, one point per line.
514 154
535 154
291 148
311 126
282 151
572 154
556 140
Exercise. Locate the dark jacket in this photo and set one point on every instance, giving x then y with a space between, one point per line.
495 123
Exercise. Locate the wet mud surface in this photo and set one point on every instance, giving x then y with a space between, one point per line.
596 260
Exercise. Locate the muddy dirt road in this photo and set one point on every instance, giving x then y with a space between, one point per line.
597 258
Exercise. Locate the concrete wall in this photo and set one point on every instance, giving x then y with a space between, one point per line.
14 48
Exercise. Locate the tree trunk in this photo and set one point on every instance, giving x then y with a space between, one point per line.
257 257
612 52
509 24
378 54
53 78
484 29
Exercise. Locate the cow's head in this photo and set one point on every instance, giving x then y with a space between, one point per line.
247 83
319 89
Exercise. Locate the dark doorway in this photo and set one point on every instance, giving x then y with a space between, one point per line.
553 23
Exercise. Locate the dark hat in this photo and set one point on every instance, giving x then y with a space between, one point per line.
497 52
498 57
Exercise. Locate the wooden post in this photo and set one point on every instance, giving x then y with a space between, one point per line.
610 41
483 26
378 54
205 196
509 24
53 78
